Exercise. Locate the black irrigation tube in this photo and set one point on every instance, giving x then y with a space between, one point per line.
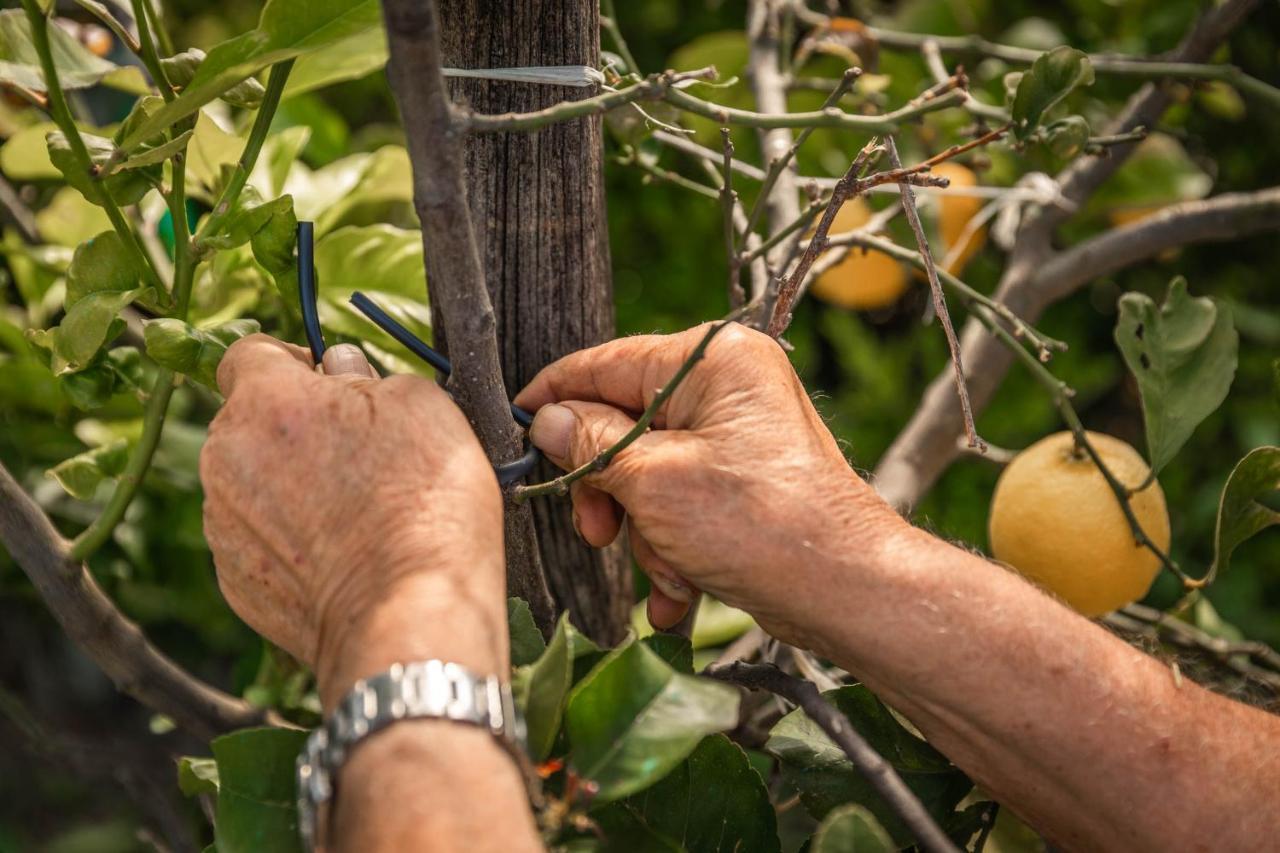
508 472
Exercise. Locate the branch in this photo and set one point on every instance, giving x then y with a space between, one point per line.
459 294
939 300
928 442
105 634
1228 216
609 21
878 772
17 213
729 205
560 485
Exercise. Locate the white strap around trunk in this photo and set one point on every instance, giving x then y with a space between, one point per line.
552 75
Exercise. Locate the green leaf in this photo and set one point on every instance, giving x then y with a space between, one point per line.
101 264
78 67
197 775
713 802
287 28
194 352
87 325
109 374
250 216
69 219
527 644
256 801
1240 515
157 155
81 474
181 69
125 187
1158 172
718 624
634 718
1183 355
826 778
851 829
354 57
359 186
1067 137
210 150
672 648
279 153
1052 77
25 154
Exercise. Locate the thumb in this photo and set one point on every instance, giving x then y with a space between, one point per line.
347 360
573 433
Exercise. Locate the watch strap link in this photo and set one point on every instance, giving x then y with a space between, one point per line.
430 689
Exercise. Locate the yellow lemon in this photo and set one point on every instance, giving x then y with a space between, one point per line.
1056 521
954 213
863 280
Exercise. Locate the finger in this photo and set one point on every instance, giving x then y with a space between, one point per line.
597 516
263 356
671 594
347 360
573 433
625 373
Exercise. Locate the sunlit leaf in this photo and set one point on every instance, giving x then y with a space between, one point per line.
354 57
69 219
1183 354
181 69
101 264
194 352
634 718
197 775
287 28
25 155
544 686
81 474
88 324
1053 76
78 67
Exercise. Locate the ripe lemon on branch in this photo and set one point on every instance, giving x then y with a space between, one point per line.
864 280
1055 520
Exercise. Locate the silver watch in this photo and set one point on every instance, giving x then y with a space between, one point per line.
429 689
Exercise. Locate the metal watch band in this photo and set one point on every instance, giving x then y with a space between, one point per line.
429 689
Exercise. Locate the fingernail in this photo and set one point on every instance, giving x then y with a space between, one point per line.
577 525
345 360
672 588
552 430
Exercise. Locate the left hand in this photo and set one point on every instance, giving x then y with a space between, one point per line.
354 521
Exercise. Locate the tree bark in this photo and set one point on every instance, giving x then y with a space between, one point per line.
538 210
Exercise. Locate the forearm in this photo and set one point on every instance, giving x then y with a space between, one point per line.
427 784
1043 707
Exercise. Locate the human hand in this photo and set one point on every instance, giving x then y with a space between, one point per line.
736 490
354 521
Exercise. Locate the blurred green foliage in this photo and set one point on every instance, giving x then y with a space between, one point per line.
866 370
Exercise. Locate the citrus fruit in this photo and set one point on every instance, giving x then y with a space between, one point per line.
863 280
1055 520
954 213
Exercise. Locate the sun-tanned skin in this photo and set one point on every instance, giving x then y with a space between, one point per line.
356 522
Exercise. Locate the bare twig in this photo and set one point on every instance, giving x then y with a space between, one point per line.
933 59
17 213
110 639
878 772
729 202
939 301
609 22
560 485
928 442
847 188
458 289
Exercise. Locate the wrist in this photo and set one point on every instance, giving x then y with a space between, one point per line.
443 614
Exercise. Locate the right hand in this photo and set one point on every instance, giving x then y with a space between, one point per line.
739 487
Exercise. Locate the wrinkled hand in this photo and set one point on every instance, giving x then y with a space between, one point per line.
354 521
738 484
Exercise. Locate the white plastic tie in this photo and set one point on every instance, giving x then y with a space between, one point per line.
551 75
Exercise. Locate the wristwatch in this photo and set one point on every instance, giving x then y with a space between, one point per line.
429 689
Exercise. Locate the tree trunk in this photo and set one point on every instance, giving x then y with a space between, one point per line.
537 203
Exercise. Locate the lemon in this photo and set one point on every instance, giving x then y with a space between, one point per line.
954 213
863 280
1056 521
